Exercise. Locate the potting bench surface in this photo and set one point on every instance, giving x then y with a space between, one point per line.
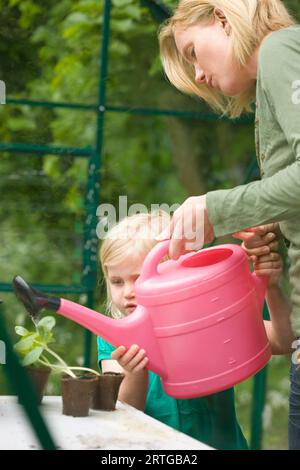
124 428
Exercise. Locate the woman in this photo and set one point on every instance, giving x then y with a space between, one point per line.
230 52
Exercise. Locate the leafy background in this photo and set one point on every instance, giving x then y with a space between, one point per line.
51 51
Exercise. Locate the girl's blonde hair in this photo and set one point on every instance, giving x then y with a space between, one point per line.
250 20
131 239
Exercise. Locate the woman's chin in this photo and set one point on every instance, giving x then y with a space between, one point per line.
232 90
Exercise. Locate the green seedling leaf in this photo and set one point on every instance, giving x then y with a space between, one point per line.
25 344
21 331
47 322
45 336
32 356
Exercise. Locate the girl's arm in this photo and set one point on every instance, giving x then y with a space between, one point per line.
261 247
134 386
279 329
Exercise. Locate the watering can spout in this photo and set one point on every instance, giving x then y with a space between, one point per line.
135 329
260 283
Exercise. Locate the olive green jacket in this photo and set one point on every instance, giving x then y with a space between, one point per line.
276 197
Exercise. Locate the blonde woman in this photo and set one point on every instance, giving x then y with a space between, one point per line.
230 53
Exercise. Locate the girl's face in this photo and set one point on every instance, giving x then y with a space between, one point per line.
121 279
208 49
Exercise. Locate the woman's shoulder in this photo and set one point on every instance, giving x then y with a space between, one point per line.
283 39
279 56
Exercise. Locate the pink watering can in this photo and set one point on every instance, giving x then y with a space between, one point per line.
199 319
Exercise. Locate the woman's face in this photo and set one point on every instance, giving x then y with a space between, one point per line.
121 280
208 49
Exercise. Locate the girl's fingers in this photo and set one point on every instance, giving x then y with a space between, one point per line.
132 359
258 241
141 365
262 250
274 246
127 355
273 256
263 229
269 265
136 359
117 353
245 236
269 273
257 236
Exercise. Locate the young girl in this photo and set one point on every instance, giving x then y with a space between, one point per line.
210 419
230 52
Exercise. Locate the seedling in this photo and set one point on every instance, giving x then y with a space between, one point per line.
33 347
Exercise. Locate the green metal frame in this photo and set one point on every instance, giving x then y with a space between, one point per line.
94 154
22 387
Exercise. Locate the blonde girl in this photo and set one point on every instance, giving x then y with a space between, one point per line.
211 419
231 53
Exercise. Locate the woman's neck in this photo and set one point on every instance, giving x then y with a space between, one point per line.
253 62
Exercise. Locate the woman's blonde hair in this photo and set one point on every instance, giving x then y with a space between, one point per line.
250 21
131 239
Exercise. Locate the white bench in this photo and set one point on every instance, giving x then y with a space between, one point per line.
125 428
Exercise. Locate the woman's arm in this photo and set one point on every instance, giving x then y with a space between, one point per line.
276 198
134 386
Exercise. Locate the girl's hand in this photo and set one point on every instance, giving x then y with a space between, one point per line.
259 241
261 246
132 360
270 265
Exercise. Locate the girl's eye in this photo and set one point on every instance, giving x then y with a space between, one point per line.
117 282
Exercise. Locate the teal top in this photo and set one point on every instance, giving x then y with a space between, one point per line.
212 419
276 197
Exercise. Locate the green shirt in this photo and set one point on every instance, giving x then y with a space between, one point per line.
210 419
276 197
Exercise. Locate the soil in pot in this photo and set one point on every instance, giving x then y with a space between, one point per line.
107 390
39 378
77 394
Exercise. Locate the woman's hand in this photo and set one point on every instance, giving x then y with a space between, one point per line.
190 227
132 360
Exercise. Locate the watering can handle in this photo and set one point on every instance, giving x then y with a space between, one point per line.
152 260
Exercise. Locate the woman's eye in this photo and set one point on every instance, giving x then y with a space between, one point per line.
117 282
192 53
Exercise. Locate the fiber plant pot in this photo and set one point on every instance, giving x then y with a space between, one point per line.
38 376
77 394
107 390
